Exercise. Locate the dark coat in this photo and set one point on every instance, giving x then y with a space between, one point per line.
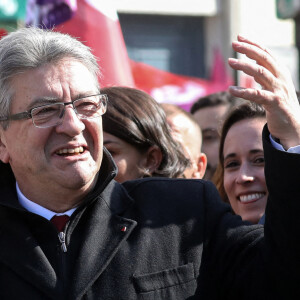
146 239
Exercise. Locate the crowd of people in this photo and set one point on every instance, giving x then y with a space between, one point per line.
144 141
101 189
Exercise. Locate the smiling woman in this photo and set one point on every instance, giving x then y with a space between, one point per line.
240 175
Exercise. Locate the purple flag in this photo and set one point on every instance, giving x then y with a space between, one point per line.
49 13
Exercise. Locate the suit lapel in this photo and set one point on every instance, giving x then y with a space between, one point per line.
105 232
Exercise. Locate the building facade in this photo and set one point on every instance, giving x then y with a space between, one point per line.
182 36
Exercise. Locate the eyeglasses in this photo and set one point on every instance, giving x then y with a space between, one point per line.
50 115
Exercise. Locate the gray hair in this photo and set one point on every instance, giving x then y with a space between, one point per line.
31 48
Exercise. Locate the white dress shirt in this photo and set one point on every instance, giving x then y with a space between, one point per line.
38 209
295 149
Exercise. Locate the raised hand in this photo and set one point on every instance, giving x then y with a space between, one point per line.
277 93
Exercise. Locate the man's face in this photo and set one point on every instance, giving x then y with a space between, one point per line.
188 135
183 132
34 153
210 120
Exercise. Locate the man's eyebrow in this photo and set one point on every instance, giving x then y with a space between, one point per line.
44 100
52 100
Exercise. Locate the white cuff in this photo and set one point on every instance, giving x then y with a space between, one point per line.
295 149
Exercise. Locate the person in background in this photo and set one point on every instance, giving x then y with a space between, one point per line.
240 176
209 112
136 133
187 132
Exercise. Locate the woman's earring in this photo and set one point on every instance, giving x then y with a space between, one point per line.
147 172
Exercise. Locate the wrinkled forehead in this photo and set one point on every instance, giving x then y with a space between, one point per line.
65 79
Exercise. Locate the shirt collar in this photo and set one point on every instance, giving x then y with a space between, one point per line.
38 209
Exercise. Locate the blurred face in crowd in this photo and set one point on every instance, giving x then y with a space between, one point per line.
189 136
65 158
244 179
129 160
210 121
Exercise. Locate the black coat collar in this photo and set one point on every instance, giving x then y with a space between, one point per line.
103 235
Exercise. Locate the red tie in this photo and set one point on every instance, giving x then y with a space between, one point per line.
60 221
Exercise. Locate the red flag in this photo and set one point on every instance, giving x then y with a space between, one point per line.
96 24
3 32
178 89
168 87
100 30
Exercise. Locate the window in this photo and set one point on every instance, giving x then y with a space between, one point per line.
170 43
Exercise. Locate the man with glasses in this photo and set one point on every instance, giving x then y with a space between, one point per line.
49 115
69 231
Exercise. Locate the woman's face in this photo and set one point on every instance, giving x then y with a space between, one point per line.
129 160
244 179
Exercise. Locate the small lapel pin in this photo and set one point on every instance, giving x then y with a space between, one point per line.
124 228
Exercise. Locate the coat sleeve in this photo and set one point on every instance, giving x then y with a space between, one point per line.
234 261
282 227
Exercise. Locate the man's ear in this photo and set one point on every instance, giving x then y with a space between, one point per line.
153 159
199 172
4 155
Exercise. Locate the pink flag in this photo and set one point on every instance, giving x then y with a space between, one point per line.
219 74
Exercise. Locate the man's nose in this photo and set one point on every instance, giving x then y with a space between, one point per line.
71 124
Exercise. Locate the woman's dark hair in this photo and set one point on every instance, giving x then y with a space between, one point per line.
239 113
135 117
